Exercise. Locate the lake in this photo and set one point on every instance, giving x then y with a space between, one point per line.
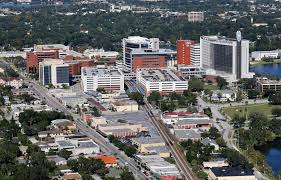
272 152
267 69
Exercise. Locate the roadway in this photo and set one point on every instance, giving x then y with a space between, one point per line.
171 142
225 128
85 129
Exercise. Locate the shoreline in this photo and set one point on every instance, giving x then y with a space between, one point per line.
253 64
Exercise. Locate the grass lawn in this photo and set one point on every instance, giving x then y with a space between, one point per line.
211 87
242 110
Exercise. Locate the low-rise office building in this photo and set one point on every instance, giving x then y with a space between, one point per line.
231 173
77 144
171 118
101 77
53 71
121 129
150 145
193 124
157 166
267 85
186 134
259 55
194 16
164 81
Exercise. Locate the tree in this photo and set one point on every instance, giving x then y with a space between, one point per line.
275 99
219 96
65 86
222 83
154 97
137 97
259 128
126 174
64 153
195 85
208 93
252 94
276 112
88 166
235 158
238 121
208 112
101 90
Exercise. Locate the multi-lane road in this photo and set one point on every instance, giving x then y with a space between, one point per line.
85 129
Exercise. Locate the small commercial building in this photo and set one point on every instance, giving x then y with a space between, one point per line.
77 145
186 134
109 161
146 145
224 95
258 55
231 173
157 166
193 124
121 129
195 16
171 118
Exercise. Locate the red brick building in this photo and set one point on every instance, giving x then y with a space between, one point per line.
75 65
148 61
184 51
34 58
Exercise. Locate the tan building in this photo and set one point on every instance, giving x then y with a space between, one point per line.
231 173
120 129
150 145
264 84
72 176
195 16
125 106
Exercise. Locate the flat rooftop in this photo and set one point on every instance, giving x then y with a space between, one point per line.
148 140
138 39
100 72
268 81
159 75
187 134
87 144
153 52
194 121
232 171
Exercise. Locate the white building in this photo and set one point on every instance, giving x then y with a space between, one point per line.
172 118
137 43
77 145
161 80
157 165
195 16
195 54
224 95
13 82
53 71
100 53
226 57
258 55
191 71
108 78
